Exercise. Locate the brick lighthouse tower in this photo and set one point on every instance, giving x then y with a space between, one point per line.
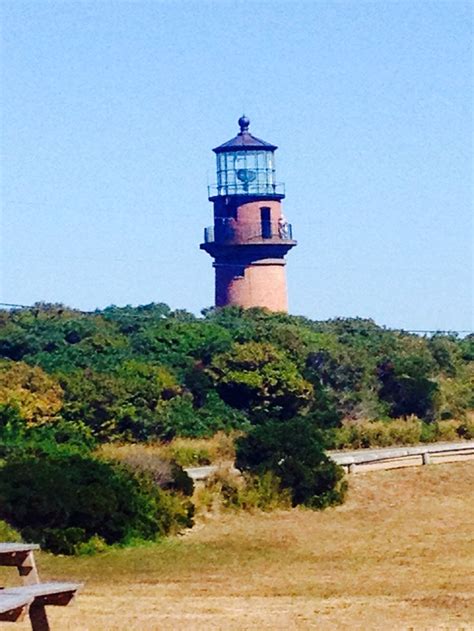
250 235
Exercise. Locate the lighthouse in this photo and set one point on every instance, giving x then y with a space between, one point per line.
250 236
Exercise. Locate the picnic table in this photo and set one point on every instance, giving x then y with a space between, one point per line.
32 596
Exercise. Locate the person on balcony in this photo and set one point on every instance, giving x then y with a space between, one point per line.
282 227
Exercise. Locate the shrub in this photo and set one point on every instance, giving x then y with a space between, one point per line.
294 452
379 433
93 546
37 395
406 386
200 452
189 456
404 431
261 380
447 430
410 431
258 492
7 533
54 437
455 395
429 432
466 429
63 501
145 459
249 492
179 417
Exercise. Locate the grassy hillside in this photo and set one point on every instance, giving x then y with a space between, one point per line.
397 555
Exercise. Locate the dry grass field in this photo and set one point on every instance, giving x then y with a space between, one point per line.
398 555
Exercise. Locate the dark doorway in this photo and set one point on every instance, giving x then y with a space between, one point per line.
265 218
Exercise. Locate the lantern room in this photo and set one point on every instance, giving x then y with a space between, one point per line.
246 166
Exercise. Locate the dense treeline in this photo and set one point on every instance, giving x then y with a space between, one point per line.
70 381
152 373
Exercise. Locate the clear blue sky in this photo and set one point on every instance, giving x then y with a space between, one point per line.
111 109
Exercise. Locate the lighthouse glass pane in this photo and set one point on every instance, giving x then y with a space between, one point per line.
245 173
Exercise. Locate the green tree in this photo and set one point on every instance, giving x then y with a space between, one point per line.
178 344
407 394
260 380
37 395
125 403
51 438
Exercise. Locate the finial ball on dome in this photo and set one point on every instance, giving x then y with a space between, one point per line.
244 123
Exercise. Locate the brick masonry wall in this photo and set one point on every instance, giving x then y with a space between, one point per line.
256 285
249 215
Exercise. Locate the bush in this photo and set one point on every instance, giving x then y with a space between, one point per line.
179 417
379 433
62 502
248 492
95 545
408 394
258 492
144 459
466 429
429 432
190 456
294 452
189 452
37 395
409 431
447 430
7 533
54 437
261 380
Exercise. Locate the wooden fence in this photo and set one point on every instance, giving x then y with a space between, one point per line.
361 460
390 458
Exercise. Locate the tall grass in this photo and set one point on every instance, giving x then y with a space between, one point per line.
409 431
227 491
186 452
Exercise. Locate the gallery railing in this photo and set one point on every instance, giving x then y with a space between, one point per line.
257 188
228 232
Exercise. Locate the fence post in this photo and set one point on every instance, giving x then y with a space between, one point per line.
425 457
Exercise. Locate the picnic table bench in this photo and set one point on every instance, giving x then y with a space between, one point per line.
32 596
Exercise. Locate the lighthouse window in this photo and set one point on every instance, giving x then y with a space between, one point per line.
265 218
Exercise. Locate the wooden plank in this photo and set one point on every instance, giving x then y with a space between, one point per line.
14 614
18 547
13 607
53 593
13 558
10 601
24 560
20 555
14 554
27 570
365 456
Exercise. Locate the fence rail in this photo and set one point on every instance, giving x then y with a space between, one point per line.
390 457
372 459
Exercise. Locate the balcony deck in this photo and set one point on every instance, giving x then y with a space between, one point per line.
248 234
251 242
267 191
